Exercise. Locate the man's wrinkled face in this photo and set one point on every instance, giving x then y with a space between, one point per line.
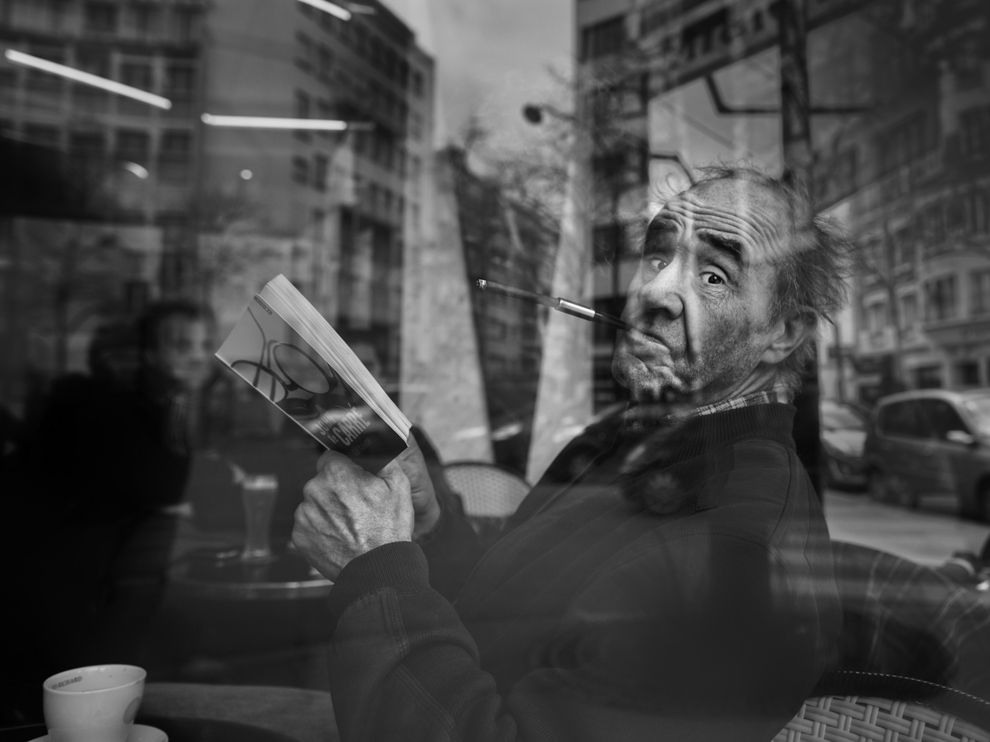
185 348
702 295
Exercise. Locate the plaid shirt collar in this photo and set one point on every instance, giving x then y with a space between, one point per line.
642 418
777 394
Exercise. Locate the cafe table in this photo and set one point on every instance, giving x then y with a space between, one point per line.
201 712
258 620
213 565
221 573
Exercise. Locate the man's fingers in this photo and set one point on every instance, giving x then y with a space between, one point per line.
336 461
395 477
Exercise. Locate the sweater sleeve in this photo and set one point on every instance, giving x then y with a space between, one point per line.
653 649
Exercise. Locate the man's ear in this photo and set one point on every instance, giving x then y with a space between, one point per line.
787 334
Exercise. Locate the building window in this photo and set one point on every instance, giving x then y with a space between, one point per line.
100 17
8 84
603 38
184 23
934 228
908 305
136 74
42 134
147 18
905 247
303 108
967 374
319 221
905 141
325 62
89 100
59 10
304 52
300 170
928 377
974 131
38 81
979 293
133 146
87 151
320 172
875 317
175 155
941 299
976 211
180 80
93 59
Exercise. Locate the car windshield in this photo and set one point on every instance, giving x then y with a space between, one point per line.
839 418
979 410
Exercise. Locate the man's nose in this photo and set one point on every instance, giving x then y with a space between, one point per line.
664 291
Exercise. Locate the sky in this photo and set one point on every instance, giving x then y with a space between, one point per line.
492 57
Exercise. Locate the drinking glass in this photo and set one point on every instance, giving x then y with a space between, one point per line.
258 493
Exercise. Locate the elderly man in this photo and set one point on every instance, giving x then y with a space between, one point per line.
682 589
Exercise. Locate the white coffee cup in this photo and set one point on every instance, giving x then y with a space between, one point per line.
93 704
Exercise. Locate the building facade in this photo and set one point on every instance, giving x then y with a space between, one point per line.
912 181
350 204
220 209
510 242
97 182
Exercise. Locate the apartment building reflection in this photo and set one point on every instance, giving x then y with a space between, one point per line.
912 181
505 240
156 203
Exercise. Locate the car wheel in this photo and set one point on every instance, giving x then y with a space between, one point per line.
983 501
833 477
907 497
877 486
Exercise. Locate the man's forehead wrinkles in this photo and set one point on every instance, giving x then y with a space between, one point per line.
748 218
704 215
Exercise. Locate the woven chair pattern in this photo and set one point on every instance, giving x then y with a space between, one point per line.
487 490
866 719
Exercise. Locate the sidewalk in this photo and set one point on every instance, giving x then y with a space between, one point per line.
928 535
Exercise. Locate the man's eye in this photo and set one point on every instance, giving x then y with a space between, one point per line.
713 279
655 260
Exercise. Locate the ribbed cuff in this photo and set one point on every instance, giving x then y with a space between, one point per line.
401 564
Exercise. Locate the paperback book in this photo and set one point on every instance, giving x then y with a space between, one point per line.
284 348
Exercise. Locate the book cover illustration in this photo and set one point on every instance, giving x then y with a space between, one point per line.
266 352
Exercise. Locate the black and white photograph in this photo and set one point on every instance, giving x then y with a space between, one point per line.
495 370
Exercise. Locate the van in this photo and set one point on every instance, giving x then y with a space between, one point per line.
931 441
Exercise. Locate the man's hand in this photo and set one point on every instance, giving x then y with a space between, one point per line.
347 512
424 498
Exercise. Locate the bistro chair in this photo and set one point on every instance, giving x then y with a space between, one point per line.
490 492
909 620
871 719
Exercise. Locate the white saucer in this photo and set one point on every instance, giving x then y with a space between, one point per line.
139 733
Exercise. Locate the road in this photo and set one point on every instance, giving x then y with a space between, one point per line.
928 535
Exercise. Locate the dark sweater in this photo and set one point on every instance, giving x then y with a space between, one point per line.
689 598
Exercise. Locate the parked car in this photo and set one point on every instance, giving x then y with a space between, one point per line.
931 441
843 436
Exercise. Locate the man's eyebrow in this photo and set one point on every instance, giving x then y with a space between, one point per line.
733 248
658 225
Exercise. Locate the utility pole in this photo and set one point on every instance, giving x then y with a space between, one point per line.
796 139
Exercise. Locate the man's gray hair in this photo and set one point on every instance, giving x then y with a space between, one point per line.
812 276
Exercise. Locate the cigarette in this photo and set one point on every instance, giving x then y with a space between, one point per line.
554 302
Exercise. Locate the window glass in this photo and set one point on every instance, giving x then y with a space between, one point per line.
528 145
942 417
903 419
